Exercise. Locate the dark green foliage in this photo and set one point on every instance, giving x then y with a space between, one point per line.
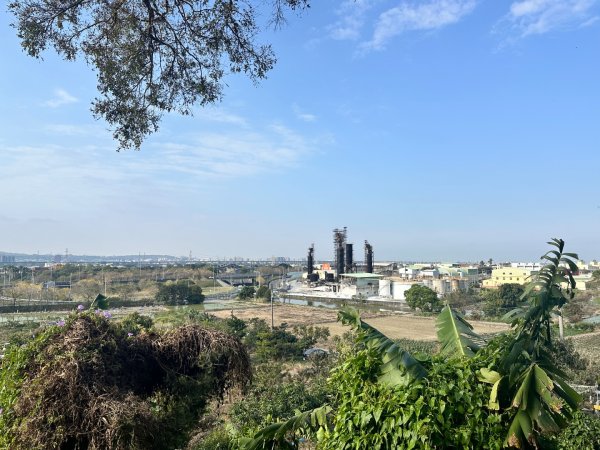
583 433
500 301
134 323
100 302
150 57
263 292
180 293
247 292
309 335
216 439
275 395
462 299
277 344
423 298
236 326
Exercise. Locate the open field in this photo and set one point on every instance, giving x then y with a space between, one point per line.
588 345
395 326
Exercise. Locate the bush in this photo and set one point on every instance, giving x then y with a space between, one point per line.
247 292
263 292
87 384
276 396
180 293
135 323
216 439
583 433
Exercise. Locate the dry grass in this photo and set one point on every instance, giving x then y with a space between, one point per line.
93 387
395 326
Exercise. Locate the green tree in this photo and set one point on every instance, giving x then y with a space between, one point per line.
505 298
151 57
263 292
180 293
246 292
422 297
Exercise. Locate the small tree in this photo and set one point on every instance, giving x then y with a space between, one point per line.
422 297
263 292
505 298
246 292
180 293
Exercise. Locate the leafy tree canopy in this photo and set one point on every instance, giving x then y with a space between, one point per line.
422 297
263 292
246 292
180 293
151 56
506 297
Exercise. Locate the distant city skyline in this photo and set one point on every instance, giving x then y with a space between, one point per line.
454 130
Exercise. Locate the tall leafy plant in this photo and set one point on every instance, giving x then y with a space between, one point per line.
541 401
527 393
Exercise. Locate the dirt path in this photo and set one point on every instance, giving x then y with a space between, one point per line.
395 326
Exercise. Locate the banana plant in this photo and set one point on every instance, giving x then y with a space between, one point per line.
456 335
397 365
282 435
541 399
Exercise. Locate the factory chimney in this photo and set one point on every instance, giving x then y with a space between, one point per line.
311 258
349 258
368 257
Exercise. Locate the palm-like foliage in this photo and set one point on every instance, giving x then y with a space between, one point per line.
456 335
526 383
278 435
541 399
397 365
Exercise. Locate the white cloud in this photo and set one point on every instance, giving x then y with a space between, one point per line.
220 115
303 115
530 17
351 15
61 97
411 16
233 155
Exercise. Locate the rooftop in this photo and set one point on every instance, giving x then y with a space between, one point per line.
361 275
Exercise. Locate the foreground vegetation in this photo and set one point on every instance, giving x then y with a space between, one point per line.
94 382
509 392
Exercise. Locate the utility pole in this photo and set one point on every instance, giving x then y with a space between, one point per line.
272 315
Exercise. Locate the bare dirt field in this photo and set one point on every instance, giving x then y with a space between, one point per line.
395 326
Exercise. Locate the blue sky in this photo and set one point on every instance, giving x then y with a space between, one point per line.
436 129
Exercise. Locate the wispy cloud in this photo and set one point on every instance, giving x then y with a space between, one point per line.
417 16
303 115
531 17
221 116
61 98
245 154
352 15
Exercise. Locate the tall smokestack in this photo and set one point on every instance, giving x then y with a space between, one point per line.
368 257
339 260
311 258
349 257
339 241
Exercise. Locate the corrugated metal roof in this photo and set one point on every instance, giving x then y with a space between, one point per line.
361 275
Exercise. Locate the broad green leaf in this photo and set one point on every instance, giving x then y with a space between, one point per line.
456 334
396 362
488 376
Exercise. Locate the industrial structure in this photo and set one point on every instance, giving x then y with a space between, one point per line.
368 257
339 247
